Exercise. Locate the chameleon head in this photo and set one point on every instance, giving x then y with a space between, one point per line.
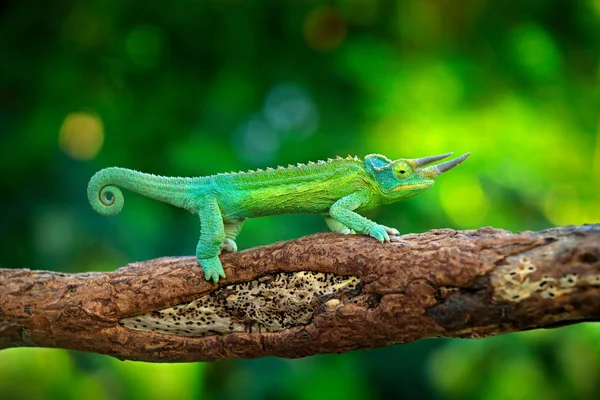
407 177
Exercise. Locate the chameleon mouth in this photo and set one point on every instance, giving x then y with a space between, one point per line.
417 186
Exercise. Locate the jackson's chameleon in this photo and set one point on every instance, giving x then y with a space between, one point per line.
336 188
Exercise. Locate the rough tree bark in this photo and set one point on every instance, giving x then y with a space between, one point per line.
442 283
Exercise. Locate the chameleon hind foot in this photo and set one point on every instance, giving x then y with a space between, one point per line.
229 245
337 226
212 268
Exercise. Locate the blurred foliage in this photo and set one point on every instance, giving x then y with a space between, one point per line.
196 87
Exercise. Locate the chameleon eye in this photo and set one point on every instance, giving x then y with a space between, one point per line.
402 170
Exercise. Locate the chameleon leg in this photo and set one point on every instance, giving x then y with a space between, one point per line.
212 235
337 226
232 229
342 211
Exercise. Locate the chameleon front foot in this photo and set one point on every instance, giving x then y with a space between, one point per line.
212 268
382 232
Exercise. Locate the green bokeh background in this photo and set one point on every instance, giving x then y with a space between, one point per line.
197 87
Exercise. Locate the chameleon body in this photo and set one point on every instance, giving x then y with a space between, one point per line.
338 189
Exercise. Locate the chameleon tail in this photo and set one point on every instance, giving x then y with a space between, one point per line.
106 198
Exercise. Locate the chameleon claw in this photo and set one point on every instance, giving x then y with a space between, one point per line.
211 276
379 232
391 231
212 268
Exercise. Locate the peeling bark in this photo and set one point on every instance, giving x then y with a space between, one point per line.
443 283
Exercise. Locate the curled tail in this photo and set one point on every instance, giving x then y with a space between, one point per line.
103 195
106 198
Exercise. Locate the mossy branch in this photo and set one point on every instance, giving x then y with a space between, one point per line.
443 283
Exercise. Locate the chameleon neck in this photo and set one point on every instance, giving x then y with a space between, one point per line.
107 199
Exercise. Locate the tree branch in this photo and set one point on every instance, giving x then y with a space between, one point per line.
324 293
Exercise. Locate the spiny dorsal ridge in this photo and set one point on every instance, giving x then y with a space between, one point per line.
280 168
269 169
300 165
259 170
320 162
310 163
338 158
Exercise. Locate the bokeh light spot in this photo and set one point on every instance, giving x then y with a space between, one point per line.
81 135
463 199
289 108
535 52
255 140
324 29
85 28
144 44
429 88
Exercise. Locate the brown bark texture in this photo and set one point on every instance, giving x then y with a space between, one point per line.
442 283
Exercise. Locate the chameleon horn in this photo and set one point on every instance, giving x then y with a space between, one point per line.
445 166
421 162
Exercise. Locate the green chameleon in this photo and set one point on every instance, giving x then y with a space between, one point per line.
336 188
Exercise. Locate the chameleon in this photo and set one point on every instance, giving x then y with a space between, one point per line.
337 189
